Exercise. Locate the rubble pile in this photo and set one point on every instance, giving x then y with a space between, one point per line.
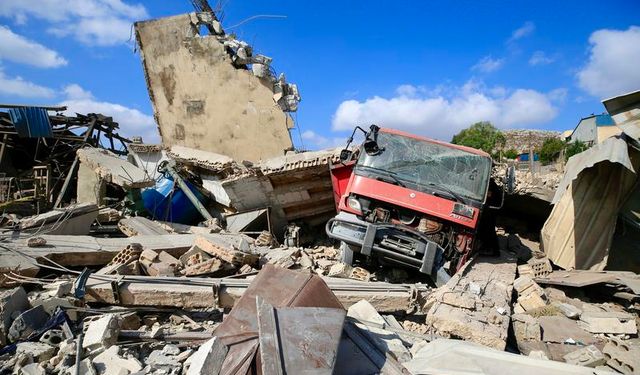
225 251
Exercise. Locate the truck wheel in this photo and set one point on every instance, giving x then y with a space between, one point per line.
346 253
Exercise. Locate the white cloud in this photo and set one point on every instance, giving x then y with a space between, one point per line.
488 64
132 121
16 86
17 48
523 31
92 22
540 58
315 141
613 63
442 116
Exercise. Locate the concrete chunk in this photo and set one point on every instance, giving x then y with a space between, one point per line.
208 359
27 323
11 301
110 362
38 350
102 332
112 169
588 356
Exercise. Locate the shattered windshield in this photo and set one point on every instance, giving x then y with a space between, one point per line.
430 166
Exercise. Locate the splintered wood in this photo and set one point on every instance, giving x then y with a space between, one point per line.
475 304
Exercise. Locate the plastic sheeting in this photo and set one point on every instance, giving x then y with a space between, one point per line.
597 182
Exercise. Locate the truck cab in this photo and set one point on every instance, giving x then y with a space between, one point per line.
409 201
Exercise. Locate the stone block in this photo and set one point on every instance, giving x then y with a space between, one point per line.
568 310
589 356
531 301
340 270
609 322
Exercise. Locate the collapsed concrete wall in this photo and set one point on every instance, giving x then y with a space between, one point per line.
204 95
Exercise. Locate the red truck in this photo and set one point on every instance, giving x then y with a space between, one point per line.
410 201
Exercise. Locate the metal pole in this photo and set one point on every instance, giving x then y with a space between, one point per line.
185 188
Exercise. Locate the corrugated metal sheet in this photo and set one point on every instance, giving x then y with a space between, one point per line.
31 122
597 182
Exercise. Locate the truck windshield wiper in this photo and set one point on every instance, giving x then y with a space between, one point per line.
452 193
391 175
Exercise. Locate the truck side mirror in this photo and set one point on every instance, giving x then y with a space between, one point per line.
371 147
345 155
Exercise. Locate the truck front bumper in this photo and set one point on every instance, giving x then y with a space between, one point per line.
397 243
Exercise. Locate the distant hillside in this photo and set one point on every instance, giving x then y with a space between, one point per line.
520 140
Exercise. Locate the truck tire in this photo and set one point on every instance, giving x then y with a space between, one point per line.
346 253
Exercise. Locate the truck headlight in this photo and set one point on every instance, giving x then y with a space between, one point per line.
354 203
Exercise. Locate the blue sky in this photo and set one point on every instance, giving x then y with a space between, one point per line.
427 67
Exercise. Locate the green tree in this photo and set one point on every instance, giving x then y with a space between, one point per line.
481 135
575 148
550 149
510 154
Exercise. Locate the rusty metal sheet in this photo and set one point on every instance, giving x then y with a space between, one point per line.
280 288
299 340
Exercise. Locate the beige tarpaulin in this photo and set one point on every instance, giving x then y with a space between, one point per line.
597 182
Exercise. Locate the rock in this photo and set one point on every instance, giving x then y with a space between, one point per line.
59 288
340 270
568 310
32 369
531 301
170 350
27 323
539 354
36 242
39 351
526 327
157 360
208 359
101 333
86 368
588 356
12 301
110 362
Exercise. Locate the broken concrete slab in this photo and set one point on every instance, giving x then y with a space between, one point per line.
559 329
140 226
482 323
112 169
84 250
86 368
445 356
385 340
207 359
608 322
12 302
